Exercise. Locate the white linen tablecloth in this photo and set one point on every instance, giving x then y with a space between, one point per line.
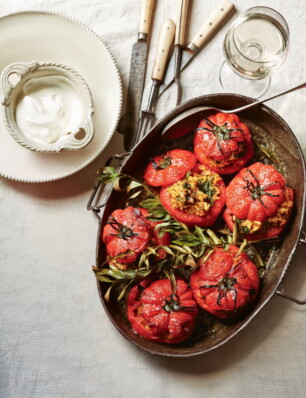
56 340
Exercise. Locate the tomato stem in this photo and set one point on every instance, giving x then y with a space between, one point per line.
123 231
173 304
222 133
256 191
163 164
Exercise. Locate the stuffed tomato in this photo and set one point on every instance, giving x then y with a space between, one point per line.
127 233
259 202
169 168
158 314
196 199
226 283
224 143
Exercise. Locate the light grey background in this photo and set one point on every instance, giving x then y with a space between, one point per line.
56 340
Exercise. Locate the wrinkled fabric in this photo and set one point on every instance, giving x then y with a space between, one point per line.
56 340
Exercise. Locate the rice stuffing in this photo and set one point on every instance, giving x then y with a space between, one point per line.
196 193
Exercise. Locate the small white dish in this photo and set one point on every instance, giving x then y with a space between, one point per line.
47 107
71 43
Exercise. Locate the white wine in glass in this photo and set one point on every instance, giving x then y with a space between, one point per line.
256 44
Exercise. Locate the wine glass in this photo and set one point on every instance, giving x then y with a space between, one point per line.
254 47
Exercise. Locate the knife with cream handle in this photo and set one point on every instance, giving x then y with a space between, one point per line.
137 74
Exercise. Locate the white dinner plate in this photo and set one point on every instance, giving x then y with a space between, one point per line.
50 37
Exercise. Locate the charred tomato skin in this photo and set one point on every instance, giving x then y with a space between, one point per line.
149 317
169 168
126 234
236 149
193 219
226 284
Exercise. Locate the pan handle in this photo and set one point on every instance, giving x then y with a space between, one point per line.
280 293
302 239
97 208
286 296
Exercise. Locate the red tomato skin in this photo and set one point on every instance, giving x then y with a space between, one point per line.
193 219
207 150
269 233
150 320
219 265
130 217
248 208
182 162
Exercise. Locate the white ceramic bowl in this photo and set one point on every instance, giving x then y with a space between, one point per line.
47 107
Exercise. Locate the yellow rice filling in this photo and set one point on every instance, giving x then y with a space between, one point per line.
196 193
279 219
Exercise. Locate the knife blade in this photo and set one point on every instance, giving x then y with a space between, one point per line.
165 40
137 74
222 12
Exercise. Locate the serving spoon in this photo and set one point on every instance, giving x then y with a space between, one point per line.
182 124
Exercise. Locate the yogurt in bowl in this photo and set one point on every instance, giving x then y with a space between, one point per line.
47 107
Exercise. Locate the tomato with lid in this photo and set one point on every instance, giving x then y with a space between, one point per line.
169 168
259 201
226 283
158 314
224 143
126 234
